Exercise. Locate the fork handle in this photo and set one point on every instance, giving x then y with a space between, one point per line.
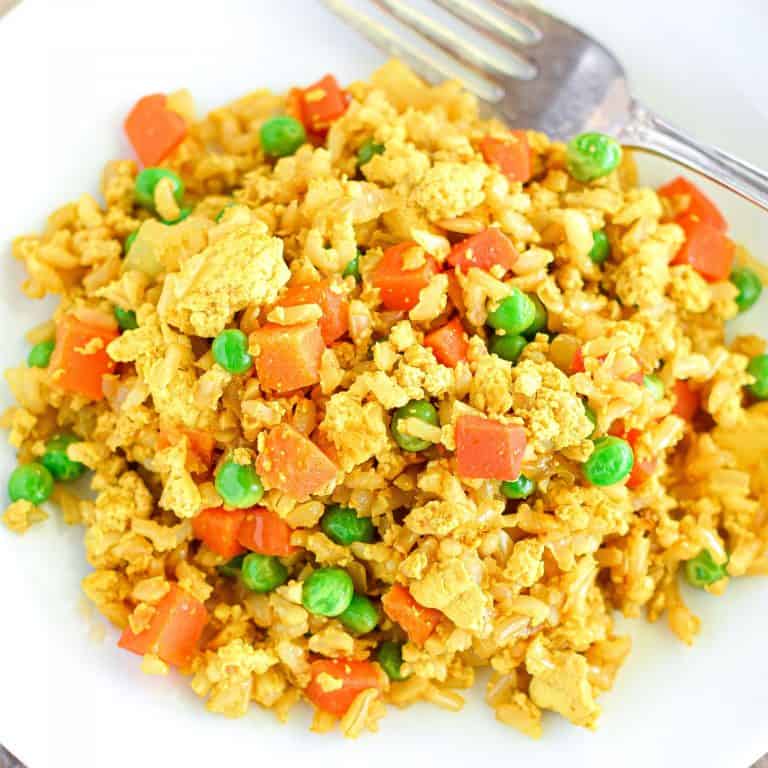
651 133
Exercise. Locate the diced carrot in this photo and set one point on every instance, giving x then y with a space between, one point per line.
200 445
642 469
489 449
636 378
483 250
287 357
512 155
699 204
293 464
577 363
399 288
265 532
687 400
174 631
418 621
355 676
706 249
218 529
80 360
154 130
322 103
449 343
330 298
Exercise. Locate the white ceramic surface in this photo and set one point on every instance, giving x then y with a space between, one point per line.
69 70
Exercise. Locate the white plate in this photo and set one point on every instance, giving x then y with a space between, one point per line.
69 71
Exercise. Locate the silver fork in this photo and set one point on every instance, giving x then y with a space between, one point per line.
553 77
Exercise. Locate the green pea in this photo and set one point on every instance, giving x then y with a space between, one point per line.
610 462
521 488
758 367
220 215
367 150
702 570
147 180
589 412
353 267
56 461
416 409
750 287
342 525
31 482
590 156
230 351
361 615
126 318
601 248
540 319
390 658
129 240
262 573
183 213
282 136
238 484
507 346
514 314
40 354
327 592
231 569
654 385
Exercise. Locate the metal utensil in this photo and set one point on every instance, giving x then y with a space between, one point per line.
553 77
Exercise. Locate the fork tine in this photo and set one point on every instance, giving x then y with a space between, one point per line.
449 41
515 30
430 67
527 14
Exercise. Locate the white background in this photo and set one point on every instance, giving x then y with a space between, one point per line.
69 71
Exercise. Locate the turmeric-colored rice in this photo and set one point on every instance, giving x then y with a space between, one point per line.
526 587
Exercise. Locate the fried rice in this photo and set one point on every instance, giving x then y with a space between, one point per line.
526 587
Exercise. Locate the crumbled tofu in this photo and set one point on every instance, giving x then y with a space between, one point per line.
688 289
491 387
192 580
244 268
449 587
552 411
525 565
560 682
180 492
384 388
226 676
642 278
164 362
21 515
451 189
401 164
359 431
438 518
